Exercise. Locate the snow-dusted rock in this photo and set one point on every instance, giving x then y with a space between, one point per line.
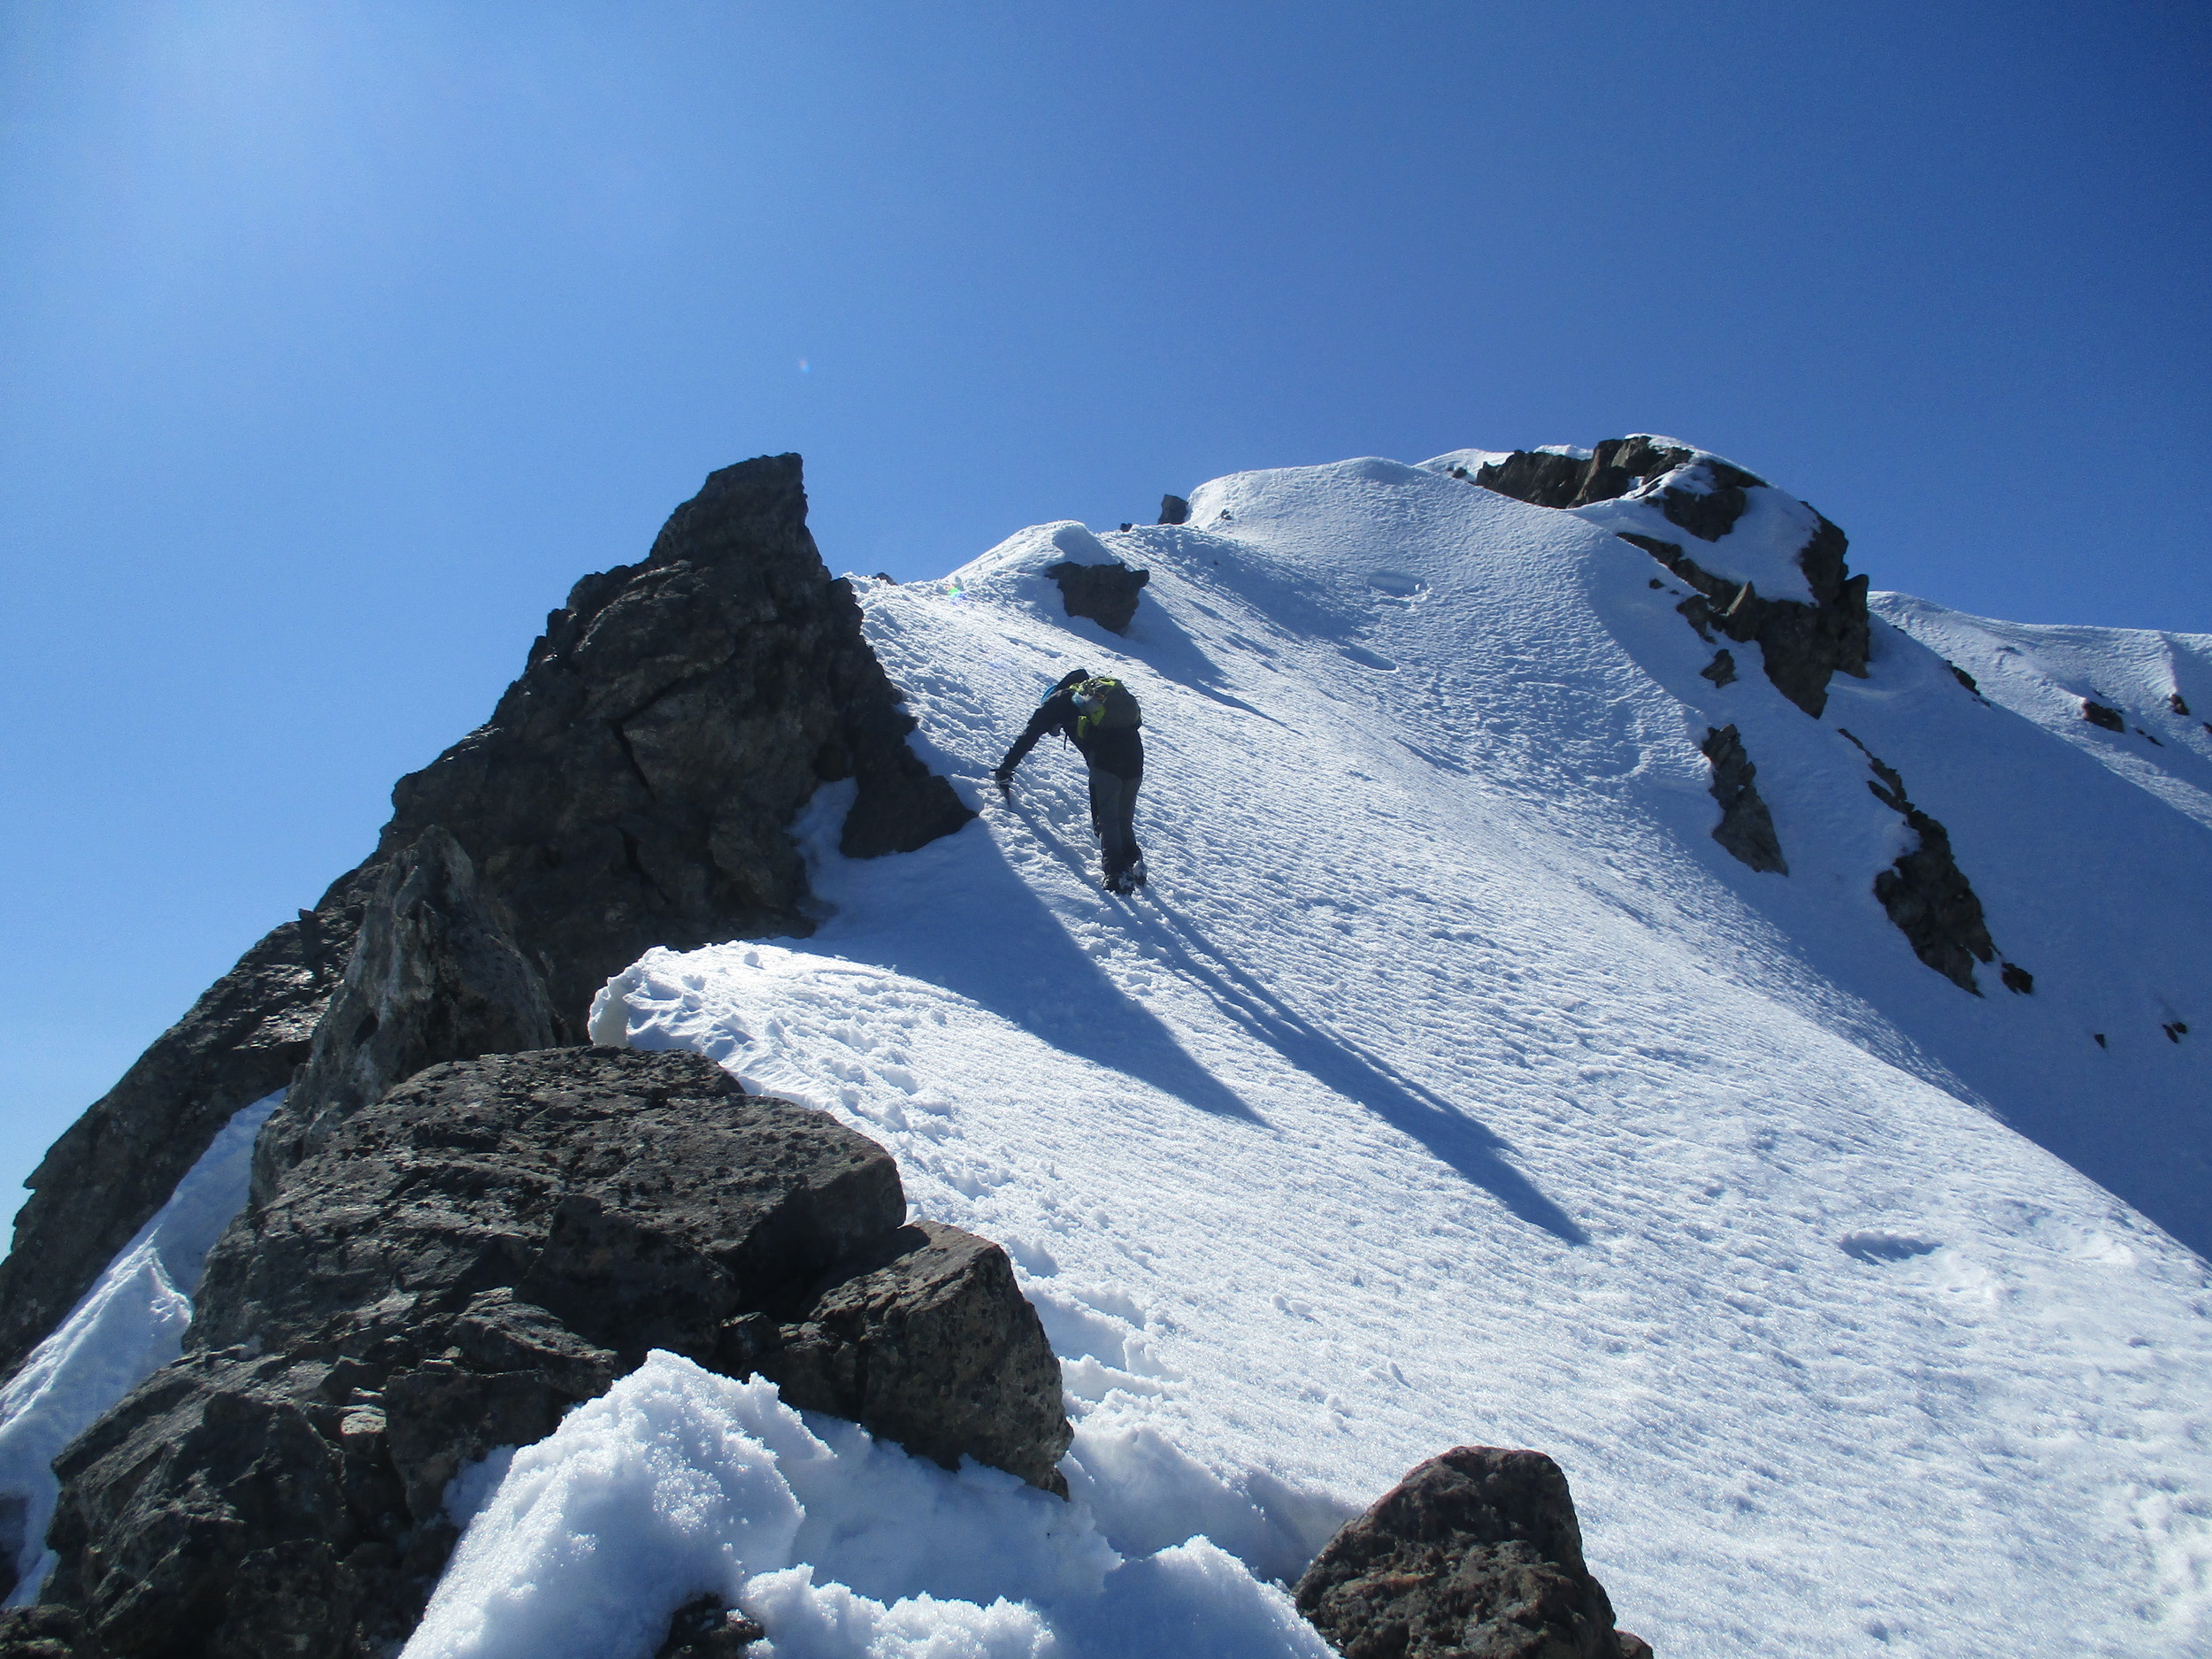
1777 576
1745 828
1928 896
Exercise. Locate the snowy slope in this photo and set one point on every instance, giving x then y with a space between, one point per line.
1451 1084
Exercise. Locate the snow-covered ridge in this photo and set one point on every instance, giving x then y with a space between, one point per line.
1454 1085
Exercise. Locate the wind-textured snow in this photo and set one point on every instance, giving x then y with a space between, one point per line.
1451 1084
129 1325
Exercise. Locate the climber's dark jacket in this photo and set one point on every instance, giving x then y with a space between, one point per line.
1118 750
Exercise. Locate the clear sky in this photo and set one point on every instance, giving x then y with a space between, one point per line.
337 338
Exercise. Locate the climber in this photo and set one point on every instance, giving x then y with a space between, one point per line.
1100 716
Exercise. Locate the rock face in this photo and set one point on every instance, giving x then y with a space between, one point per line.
1475 1554
436 976
636 786
1802 645
1107 593
459 1263
1745 828
1927 895
1174 509
117 1164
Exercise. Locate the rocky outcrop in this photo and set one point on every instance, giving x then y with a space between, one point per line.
2099 714
1475 1554
436 976
1107 593
1720 671
1745 828
1551 477
635 787
1174 509
460 1263
1802 645
1927 896
117 1164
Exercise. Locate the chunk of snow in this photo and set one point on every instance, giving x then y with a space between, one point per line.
679 1483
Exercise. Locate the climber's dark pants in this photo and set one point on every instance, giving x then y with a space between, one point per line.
1114 815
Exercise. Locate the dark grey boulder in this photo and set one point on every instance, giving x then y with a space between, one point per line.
1720 671
1475 1554
1173 509
1928 896
925 1338
116 1165
436 976
453 1268
2099 714
1745 828
635 787
1107 593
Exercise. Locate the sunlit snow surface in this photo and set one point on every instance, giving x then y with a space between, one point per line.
129 1324
1451 1084
679 1482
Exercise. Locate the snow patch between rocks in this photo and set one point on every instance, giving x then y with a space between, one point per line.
129 1325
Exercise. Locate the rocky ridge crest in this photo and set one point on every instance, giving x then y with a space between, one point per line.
634 786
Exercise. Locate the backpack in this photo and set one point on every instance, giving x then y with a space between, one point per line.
1105 705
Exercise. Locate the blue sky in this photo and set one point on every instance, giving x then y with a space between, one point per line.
340 339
